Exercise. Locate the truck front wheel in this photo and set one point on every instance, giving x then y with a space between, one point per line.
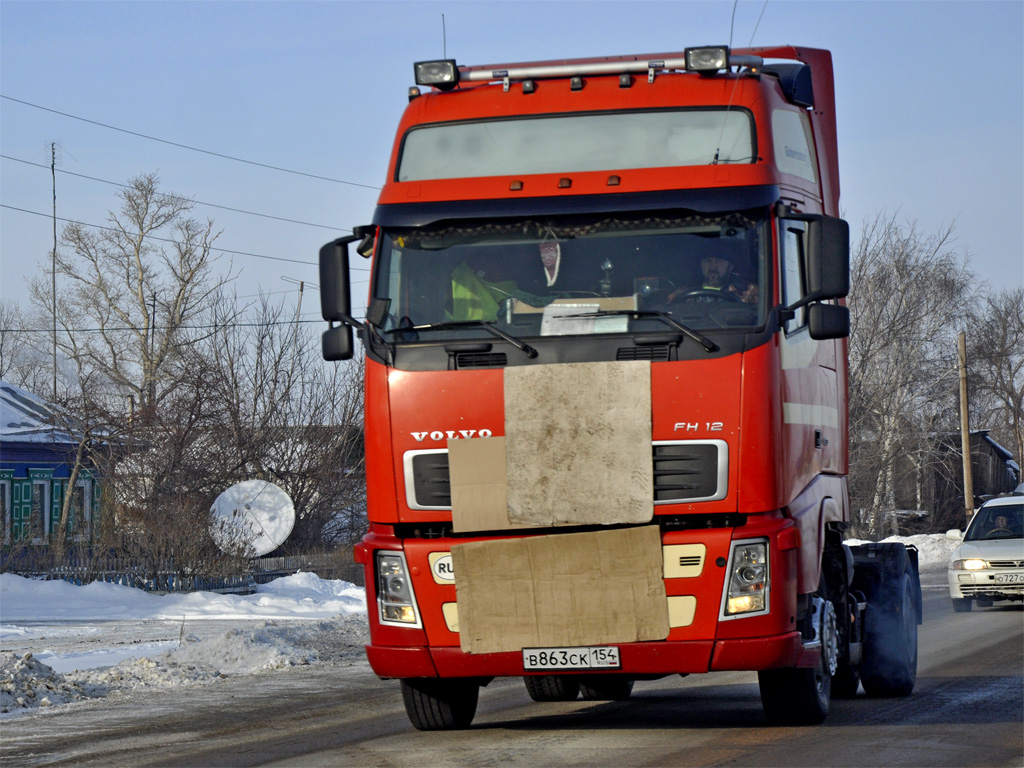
795 696
798 696
606 688
552 687
440 705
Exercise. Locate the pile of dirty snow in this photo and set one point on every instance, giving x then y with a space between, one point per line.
104 638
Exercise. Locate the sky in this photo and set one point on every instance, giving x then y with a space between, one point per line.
90 641
929 101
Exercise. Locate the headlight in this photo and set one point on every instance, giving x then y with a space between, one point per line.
969 565
394 591
747 587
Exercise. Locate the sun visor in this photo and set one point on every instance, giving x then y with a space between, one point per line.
714 200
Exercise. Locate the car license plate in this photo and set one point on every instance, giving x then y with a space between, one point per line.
1010 578
594 657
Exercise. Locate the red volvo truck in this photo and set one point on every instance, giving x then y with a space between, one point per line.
606 388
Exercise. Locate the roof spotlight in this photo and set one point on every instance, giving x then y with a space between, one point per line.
442 74
707 60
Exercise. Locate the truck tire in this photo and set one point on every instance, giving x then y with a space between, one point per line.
552 687
795 696
889 667
962 604
440 705
845 681
799 696
606 688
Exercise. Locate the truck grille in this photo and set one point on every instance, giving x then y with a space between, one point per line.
691 470
684 471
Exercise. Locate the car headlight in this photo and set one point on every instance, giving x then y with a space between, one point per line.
972 564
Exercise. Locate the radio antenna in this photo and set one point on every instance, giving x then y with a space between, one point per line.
732 21
444 39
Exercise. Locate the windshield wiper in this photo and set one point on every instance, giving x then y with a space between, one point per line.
487 326
665 317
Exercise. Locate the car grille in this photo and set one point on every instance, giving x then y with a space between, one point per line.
1006 563
684 471
967 590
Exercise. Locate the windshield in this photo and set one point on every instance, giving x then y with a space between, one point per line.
1003 521
560 277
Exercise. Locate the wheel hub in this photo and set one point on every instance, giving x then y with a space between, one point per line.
823 620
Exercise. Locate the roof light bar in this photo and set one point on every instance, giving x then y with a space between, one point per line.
446 74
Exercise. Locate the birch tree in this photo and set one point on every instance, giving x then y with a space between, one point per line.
910 294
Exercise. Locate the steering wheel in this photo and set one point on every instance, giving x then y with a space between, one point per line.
1000 533
705 295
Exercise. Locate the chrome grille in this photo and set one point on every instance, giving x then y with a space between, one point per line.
684 471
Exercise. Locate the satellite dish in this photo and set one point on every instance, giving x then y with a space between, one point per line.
253 512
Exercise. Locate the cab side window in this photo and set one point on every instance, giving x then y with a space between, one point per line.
793 272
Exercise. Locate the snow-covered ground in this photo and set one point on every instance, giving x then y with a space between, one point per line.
61 643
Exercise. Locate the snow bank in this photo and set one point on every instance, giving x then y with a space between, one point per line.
934 549
98 635
302 595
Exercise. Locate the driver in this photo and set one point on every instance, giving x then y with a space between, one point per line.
717 275
1002 525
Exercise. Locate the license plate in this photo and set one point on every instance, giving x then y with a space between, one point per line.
595 657
1010 578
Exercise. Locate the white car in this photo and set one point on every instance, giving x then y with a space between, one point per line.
989 563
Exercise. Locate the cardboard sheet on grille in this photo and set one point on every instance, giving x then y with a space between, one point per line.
479 491
578 443
560 590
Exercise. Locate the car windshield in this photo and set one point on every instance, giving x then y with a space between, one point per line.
1004 521
572 276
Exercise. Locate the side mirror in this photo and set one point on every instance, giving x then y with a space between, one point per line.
954 534
828 321
827 258
336 343
335 299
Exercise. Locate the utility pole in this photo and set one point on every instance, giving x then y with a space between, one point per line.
53 175
965 430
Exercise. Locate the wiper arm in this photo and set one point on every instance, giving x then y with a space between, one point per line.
665 317
487 326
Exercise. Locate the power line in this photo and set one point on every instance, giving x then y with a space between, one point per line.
129 328
197 202
154 237
186 146
173 242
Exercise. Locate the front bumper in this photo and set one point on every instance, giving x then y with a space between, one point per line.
983 583
640 659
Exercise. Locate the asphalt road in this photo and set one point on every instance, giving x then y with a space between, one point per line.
967 710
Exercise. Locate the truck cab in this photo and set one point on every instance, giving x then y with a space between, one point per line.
606 385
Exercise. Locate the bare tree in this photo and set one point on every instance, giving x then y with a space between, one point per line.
294 420
909 295
996 361
135 293
22 361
